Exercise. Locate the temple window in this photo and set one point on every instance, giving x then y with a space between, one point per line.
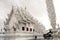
30 29
27 29
23 28
14 28
33 30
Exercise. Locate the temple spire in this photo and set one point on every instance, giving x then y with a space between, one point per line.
51 13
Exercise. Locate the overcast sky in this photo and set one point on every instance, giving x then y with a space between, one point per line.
37 8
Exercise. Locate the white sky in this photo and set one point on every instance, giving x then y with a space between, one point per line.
36 7
57 10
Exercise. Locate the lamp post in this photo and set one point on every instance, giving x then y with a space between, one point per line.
33 33
35 37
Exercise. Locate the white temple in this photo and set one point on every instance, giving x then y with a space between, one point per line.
21 20
20 25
